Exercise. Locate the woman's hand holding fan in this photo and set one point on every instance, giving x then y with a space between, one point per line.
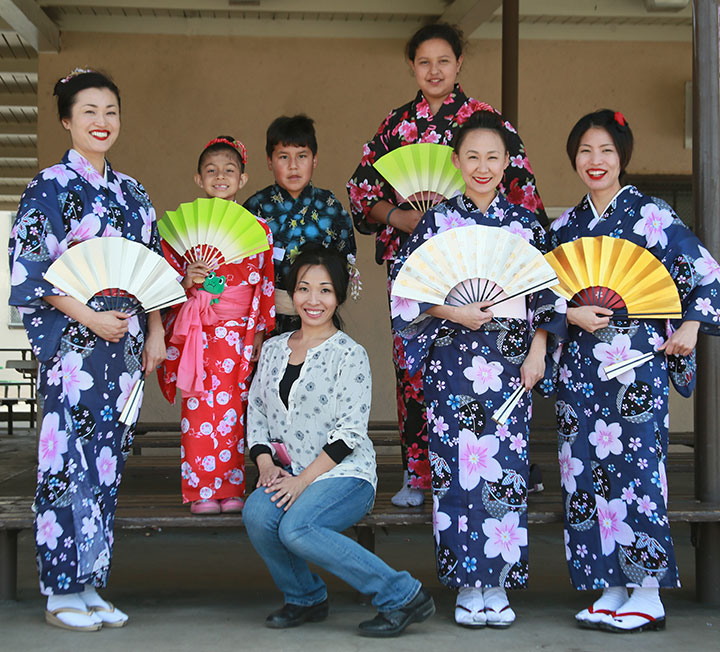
589 318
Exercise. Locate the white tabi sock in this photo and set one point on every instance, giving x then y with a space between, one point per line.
408 496
611 598
644 601
105 611
83 619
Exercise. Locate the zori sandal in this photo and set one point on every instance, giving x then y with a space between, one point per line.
51 618
109 620
632 622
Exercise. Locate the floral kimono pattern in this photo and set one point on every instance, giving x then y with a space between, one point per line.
414 123
315 216
613 434
84 380
212 425
479 468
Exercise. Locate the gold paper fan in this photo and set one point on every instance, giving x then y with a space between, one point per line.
119 273
616 274
473 263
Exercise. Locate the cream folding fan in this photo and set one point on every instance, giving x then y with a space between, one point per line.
473 263
423 173
215 231
616 274
120 274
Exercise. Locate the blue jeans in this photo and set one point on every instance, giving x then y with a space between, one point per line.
311 531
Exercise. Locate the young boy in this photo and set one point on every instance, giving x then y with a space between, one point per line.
296 211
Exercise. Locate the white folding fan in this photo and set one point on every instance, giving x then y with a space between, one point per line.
473 263
215 231
422 173
121 275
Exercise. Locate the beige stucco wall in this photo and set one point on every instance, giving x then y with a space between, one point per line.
180 91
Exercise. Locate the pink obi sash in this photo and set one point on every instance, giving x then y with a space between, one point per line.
196 312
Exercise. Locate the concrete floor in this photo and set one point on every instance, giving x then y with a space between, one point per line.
209 591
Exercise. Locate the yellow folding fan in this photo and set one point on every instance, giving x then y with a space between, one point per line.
616 274
118 274
473 263
215 231
422 173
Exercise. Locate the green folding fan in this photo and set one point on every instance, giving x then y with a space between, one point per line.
423 174
214 231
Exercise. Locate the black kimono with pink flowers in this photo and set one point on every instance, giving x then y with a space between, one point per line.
414 123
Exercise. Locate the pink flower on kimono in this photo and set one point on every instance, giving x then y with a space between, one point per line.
407 309
606 439
111 232
430 136
707 267
106 464
88 527
441 521
613 529
704 306
368 156
116 187
653 223
568 554
646 505
52 444
60 173
618 350
408 131
148 217
484 375
565 374
517 228
504 537
18 274
462 523
561 221
85 169
83 230
518 161
56 248
569 467
126 383
48 530
477 459
74 379
663 482
517 443
450 220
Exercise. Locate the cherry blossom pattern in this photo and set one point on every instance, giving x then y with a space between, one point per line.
606 439
504 537
611 517
569 468
618 350
441 520
484 375
652 224
52 444
476 459
47 529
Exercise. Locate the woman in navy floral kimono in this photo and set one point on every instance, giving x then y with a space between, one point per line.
613 433
472 361
435 55
88 360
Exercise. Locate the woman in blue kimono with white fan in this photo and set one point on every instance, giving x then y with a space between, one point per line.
475 357
613 431
88 359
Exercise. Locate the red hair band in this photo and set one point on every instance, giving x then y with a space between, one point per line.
235 144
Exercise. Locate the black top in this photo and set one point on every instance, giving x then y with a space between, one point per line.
292 371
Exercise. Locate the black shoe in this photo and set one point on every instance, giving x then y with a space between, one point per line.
535 480
292 615
392 623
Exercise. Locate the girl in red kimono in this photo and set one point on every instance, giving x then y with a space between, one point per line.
213 342
435 55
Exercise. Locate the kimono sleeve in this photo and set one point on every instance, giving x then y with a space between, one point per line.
366 187
343 238
409 317
258 428
266 312
32 248
353 385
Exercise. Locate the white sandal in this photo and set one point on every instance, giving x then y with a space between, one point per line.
51 618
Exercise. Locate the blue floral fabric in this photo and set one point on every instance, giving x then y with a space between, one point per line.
479 468
84 380
613 433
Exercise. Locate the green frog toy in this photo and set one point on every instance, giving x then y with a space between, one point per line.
214 284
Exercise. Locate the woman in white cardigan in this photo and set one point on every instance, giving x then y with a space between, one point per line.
307 432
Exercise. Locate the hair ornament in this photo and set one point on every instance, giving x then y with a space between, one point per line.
620 119
75 73
355 284
235 144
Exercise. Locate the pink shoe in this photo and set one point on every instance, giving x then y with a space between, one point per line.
209 506
232 505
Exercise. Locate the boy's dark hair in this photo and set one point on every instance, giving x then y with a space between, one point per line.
449 33
297 131
66 89
334 263
480 120
217 145
611 121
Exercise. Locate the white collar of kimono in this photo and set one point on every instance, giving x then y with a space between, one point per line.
590 201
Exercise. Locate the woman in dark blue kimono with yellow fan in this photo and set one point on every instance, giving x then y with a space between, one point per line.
89 359
473 361
613 432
